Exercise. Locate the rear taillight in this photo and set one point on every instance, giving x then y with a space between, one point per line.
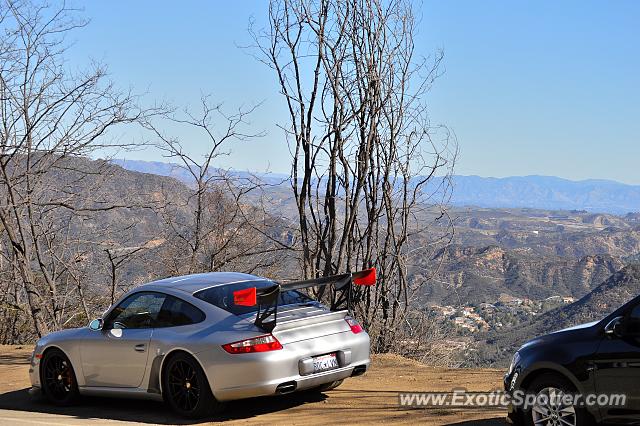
257 344
355 327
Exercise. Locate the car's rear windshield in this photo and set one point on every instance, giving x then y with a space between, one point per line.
222 296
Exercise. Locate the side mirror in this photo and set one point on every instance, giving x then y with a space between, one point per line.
96 324
614 327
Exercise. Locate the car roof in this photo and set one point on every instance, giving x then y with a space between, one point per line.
195 282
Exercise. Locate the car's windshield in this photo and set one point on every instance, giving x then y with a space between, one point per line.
222 296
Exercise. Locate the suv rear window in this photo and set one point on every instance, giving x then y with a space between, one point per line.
222 296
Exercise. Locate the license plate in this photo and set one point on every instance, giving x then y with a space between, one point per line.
324 363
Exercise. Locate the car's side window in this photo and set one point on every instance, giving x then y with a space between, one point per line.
140 310
632 321
176 312
635 312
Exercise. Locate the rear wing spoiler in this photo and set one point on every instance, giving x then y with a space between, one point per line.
267 298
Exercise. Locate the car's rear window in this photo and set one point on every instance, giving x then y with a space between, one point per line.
222 296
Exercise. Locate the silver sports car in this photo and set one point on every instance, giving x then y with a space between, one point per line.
200 339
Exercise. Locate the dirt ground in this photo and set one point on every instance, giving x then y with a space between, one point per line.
372 398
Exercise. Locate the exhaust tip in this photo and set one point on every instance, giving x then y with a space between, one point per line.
286 387
358 370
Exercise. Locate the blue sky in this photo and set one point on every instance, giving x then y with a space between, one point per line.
541 87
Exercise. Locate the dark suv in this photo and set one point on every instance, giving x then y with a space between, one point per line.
590 360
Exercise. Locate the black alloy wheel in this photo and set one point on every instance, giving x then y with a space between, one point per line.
58 378
186 389
183 385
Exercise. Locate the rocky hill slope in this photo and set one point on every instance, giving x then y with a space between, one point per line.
484 274
618 289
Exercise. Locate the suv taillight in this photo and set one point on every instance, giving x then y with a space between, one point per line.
355 327
256 344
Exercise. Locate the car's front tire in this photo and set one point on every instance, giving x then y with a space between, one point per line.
186 388
550 388
58 379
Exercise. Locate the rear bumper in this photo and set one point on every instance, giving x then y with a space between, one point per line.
514 415
271 388
259 374
35 391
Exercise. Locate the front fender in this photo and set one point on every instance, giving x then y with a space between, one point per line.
67 341
527 375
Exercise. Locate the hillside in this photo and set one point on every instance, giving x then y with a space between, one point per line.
521 253
549 232
604 299
484 274
112 229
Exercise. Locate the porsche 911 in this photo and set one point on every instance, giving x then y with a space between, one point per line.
198 340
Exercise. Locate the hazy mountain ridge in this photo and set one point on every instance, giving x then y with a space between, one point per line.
541 192
547 192
180 173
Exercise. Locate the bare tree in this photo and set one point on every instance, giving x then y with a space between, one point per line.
369 172
216 225
50 116
120 254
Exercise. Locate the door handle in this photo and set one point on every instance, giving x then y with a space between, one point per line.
140 348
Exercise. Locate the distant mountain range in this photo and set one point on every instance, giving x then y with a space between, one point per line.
547 192
538 192
176 171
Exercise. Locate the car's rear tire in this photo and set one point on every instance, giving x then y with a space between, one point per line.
58 379
186 389
551 414
328 386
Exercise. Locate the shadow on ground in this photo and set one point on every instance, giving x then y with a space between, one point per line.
150 411
498 421
14 359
